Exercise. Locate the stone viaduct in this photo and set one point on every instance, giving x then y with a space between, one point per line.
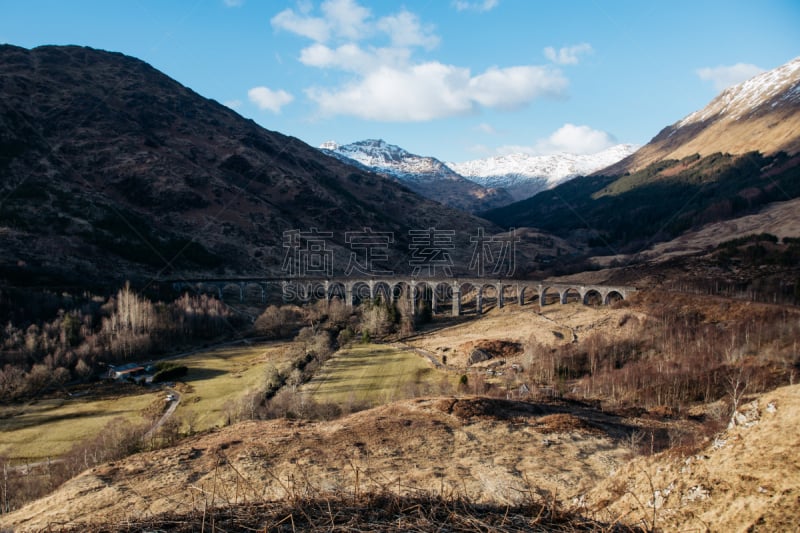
438 292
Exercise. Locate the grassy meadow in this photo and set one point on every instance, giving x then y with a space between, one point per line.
374 374
218 378
368 374
49 428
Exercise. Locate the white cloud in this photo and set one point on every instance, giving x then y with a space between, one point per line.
351 57
351 22
465 5
346 18
267 99
567 55
315 28
434 90
422 92
577 140
305 6
570 139
342 18
233 104
404 29
724 76
512 87
486 128
386 83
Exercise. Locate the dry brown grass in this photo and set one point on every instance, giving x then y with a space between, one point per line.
459 451
746 479
382 512
552 325
487 452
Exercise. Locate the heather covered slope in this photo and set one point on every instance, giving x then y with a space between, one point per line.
111 170
628 213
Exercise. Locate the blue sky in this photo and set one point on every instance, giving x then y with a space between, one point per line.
455 79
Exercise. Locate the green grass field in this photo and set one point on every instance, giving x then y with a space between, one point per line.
218 378
373 374
50 428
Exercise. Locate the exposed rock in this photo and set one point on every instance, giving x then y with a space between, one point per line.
478 356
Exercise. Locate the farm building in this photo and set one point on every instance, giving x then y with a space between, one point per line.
127 372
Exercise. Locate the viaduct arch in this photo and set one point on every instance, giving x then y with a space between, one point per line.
436 291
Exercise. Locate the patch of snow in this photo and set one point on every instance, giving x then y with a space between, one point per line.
773 87
329 145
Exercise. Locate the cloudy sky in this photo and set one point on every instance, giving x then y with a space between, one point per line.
455 79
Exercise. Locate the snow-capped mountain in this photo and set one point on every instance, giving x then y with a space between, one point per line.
778 86
425 175
383 157
761 114
524 175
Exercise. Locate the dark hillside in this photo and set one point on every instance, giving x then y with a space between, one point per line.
111 170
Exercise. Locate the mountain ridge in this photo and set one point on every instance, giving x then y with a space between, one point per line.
111 170
423 174
760 114
525 175
673 184
500 180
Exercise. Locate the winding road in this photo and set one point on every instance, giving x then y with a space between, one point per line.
176 399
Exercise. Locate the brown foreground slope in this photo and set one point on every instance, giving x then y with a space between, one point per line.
485 450
747 479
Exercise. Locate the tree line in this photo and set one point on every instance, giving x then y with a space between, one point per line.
88 333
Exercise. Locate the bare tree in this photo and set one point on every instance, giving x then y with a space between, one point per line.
736 385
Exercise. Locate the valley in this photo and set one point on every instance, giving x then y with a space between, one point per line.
209 325
419 427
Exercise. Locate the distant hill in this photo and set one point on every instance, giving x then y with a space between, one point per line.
425 175
524 175
725 161
110 170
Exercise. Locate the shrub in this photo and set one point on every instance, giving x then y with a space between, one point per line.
167 371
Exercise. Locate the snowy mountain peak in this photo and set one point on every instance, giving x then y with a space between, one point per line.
329 145
425 175
524 175
391 159
773 88
761 114
503 178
